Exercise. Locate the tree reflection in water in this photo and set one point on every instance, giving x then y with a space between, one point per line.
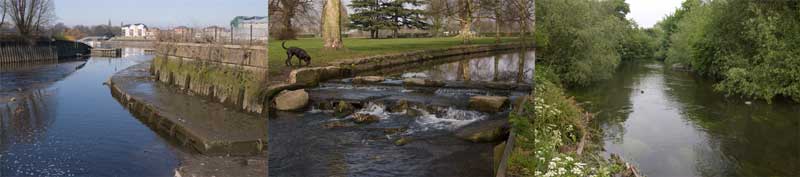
27 118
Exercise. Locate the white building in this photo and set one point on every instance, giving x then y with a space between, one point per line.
135 30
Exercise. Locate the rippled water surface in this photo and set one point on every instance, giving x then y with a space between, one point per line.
64 122
672 123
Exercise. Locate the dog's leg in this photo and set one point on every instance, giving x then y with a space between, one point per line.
288 59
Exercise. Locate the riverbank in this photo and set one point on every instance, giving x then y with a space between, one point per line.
360 48
553 136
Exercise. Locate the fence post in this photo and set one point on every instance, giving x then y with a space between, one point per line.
251 34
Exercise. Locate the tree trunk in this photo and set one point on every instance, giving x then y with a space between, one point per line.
497 22
331 25
466 22
466 31
288 28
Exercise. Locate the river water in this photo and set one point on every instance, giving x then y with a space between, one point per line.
64 122
305 143
672 123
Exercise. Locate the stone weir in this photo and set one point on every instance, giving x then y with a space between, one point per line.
208 127
234 75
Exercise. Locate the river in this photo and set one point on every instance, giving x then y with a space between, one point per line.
673 123
64 122
314 142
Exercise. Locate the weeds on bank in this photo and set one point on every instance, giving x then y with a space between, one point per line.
550 132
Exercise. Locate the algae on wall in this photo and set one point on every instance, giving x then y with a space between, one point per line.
201 70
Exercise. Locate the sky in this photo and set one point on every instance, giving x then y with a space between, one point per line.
157 13
171 13
647 13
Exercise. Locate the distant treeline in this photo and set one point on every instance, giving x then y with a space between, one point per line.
751 47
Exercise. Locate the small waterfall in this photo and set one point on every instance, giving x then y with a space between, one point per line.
450 119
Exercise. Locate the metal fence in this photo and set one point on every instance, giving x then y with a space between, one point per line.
215 35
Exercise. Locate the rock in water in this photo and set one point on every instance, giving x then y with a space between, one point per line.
291 100
368 79
365 118
488 131
343 109
402 141
422 82
399 106
487 103
335 124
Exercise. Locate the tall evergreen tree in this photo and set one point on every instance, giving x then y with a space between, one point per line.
376 15
400 16
367 16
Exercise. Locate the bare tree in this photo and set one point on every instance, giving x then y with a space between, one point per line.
524 15
3 12
289 11
465 12
436 10
29 15
332 24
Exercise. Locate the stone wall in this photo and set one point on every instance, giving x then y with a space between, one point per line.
360 65
231 74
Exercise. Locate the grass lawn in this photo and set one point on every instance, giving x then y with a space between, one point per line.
358 47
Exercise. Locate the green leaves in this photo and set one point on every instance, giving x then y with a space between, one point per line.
751 46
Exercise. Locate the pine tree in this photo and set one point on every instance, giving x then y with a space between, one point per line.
375 15
399 16
367 16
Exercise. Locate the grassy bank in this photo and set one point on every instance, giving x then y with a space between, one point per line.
359 47
552 135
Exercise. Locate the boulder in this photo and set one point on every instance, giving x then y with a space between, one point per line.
487 103
305 76
343 109
365 118
394 130
291 100
402 141
335 124
368 79
399 106
422 82
486 131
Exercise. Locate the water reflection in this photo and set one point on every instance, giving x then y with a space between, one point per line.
673 124
26 118
63 122
516 67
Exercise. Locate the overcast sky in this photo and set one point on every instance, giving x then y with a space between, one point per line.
160 13
648 12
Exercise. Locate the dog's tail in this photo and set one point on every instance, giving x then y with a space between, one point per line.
283 44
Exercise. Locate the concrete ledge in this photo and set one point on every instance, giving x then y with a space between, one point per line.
359 65
347 68
206 126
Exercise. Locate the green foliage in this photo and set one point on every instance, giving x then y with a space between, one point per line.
689 30
548 122
750 46
583 40
638 44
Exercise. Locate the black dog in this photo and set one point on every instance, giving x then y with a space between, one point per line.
294 51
